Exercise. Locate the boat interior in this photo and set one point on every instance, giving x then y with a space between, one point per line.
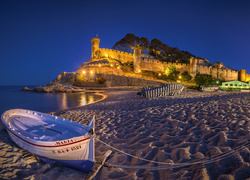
43 127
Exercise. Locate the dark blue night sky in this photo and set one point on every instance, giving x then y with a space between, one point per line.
41 38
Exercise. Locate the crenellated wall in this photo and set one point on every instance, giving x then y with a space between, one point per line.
159 66
204 69
227 75
114 54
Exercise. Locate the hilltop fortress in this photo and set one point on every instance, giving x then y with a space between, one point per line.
109 61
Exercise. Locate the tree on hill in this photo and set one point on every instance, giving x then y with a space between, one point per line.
130 41
144 43
156 48
185 76
203 79
170 69
166 53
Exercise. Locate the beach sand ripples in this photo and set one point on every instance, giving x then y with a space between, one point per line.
191 127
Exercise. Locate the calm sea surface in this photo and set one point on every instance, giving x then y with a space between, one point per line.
11 97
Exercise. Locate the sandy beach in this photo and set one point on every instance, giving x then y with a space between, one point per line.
194 127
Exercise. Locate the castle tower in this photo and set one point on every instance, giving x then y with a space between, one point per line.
137 60
243 75
95 46
193 67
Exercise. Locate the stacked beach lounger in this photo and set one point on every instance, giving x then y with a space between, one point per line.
166 90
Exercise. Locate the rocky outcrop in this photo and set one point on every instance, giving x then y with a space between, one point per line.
76 82
66 78
26 89
113 80
57 87
63 83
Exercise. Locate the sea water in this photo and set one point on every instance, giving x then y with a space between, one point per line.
11 98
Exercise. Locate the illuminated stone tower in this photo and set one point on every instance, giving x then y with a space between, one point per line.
193 67
95 46
137 60
243 75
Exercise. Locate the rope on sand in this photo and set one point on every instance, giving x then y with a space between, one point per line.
175 165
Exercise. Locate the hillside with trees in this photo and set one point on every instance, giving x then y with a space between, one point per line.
156 48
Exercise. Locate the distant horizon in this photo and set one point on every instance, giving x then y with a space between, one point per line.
20 85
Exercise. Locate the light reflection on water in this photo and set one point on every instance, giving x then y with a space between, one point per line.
11 98
87 99
66 101
83 100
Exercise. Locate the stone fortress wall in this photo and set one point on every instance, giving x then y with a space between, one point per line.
150 64
121 56
228 75
159 66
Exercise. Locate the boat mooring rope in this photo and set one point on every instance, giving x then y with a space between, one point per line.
175 165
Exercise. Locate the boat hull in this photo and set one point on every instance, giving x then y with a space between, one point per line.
80 165
74 152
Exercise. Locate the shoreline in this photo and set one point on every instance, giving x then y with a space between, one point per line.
174 129
68 88
99 91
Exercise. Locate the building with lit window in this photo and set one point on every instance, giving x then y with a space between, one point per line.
235 84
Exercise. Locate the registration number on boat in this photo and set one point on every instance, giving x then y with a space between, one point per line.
68 149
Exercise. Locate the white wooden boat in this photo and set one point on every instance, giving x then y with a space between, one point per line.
51 138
